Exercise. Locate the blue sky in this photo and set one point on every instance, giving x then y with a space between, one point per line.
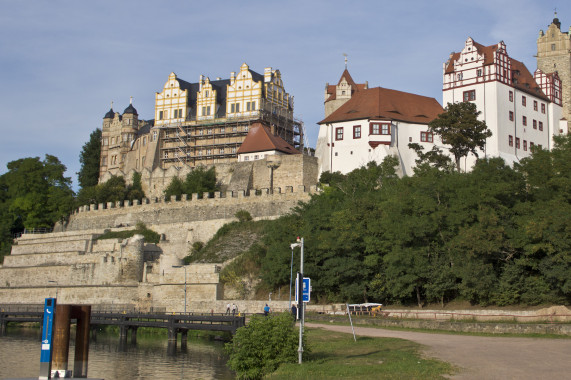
63 62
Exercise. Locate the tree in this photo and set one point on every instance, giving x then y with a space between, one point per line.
33 193
198 181
460 128
89 158
258 349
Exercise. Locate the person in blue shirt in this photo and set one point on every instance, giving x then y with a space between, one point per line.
266 310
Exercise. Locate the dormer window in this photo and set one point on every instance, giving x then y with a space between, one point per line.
206 94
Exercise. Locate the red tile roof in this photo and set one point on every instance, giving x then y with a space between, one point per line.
261 139
382 103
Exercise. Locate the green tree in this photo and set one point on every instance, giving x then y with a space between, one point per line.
135 190
89 158
198 181
258 349
33 194
460 128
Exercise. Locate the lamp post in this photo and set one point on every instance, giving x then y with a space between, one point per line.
300 305
183 267
57 284
292 246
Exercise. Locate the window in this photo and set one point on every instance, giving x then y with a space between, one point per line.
459 76
375 129
250 106
154 135
426 136
222 130
175 114
221 150
103 161
143 162
511 140
524 120
161 113
233 150
542 107
105 141
523 101
469 95
517 142
525 145
206 93
511 96
208 152
535 105
531 146
552 47
385 129
339 133
534 124
247 158
479 72
541 125
511 116
235 107
256 157
356 131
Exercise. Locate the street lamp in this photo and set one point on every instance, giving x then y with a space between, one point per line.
292 246
300 305
183 267
57 284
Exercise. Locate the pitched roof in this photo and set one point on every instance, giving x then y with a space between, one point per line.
522 79
382 103
260 139
331 89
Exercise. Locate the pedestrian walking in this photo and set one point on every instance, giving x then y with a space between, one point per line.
228 308
266 310
234 307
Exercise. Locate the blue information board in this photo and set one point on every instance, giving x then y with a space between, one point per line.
46 353
306 290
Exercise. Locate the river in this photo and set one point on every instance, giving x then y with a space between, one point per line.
149 358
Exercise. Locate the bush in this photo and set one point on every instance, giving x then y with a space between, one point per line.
243 216
141 229
259 348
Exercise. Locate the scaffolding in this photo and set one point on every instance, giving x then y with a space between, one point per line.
207 142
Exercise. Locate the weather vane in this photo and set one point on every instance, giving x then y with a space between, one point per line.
345 55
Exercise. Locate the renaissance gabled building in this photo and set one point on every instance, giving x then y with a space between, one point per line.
522 110
202 123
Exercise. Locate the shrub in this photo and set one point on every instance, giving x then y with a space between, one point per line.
259 348
243 216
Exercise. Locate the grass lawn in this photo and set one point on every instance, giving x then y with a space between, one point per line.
336 355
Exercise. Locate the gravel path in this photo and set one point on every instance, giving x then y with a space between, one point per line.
485 357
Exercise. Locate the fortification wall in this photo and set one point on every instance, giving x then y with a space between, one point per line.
271 171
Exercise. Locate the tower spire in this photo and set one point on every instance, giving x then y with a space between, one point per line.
345 55
130 100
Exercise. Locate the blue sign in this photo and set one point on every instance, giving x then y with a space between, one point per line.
46 353
306 290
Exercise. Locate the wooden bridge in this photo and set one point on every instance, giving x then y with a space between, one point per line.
131 321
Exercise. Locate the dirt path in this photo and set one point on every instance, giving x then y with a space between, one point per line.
486 357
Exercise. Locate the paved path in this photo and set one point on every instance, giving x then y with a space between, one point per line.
485 357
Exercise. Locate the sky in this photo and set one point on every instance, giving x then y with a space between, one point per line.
62 63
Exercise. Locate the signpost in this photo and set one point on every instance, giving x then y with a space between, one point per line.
46 353
306 289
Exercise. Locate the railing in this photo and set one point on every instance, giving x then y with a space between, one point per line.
39 230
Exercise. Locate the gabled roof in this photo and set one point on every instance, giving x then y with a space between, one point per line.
522 79
261 139
332 88
382 103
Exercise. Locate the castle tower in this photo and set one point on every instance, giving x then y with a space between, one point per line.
554 55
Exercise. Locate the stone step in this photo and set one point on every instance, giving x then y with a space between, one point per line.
54 237
82 245
42 259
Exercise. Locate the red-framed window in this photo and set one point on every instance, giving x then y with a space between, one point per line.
523 101
511 96
525 145
511 116
426 137
517 142
379 129
356 131
339 133
542 107
511 140
469 95
535 105
541 125
531 146
534 124
524 120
